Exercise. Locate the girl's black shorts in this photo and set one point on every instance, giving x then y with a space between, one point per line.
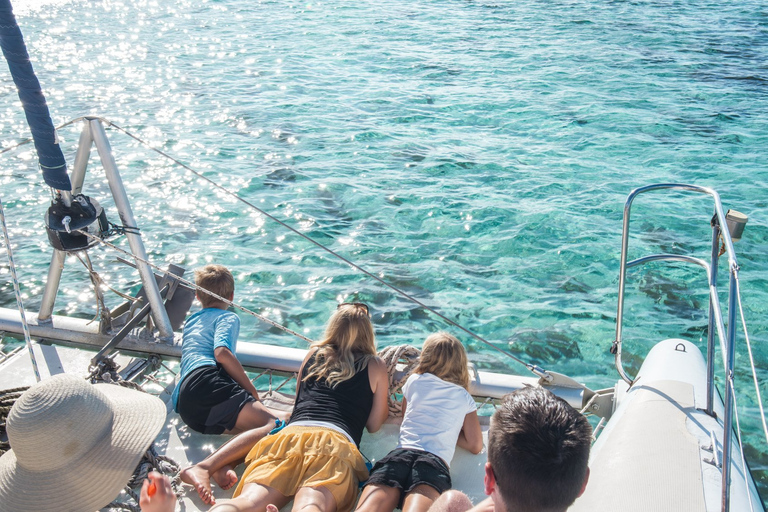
405 469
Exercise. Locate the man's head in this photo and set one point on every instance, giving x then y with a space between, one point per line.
217 279
538 450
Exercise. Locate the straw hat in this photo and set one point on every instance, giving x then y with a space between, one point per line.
74 445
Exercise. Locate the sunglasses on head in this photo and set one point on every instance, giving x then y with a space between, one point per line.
356 304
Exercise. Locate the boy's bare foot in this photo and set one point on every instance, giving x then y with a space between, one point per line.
225 477
271 508
201 480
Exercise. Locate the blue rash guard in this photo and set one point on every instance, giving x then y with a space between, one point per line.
204 332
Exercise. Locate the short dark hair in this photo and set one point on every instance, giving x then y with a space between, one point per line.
538 449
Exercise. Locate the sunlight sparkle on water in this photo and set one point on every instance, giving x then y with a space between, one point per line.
438 131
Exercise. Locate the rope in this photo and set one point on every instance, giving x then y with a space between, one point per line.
102 311
751 359
741 445
196 287
150 461
533 368
106 372
394 356
27 141
7 399
17 290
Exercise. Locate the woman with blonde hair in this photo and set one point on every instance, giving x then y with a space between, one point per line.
439 414
315 460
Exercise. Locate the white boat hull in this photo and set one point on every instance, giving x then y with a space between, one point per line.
655 452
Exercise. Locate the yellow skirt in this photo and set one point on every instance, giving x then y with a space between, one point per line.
299 457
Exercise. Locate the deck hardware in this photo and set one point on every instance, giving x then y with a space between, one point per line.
600 403
9 354
127 328
736 222
598 428
680 347
473 370
715 460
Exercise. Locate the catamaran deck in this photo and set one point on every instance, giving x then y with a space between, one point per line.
186 447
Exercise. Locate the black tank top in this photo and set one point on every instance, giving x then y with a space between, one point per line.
347 406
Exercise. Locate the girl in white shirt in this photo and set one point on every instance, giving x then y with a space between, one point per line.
439 414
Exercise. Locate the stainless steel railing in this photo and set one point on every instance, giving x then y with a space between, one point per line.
716 324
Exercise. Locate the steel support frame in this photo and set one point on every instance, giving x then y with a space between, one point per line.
94 133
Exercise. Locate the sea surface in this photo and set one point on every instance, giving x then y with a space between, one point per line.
474 154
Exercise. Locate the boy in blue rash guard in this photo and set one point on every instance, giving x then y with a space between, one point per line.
214 395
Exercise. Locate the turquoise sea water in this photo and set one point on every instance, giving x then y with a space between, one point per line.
476 154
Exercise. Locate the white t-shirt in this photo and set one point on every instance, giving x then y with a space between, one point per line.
434 415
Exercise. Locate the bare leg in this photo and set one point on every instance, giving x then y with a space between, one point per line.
254 498
253 415
314 499
420 498
219 465
451 501
378 498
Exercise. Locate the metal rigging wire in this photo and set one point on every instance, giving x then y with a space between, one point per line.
533 368
196 287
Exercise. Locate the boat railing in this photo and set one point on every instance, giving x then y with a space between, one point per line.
722 224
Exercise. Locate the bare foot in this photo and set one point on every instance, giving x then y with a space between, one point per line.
271 508
201 480
225 477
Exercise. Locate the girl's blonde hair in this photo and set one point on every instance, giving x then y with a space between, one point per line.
444 356
348 345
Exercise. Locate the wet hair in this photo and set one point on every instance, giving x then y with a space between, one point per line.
444 356
216 279
538 449
346 348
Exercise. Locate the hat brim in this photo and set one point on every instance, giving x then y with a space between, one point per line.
97 477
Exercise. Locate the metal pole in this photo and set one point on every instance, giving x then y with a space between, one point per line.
57 260
66 197
711 325
81 159
159 315
17 290
729 398
51 286
622 278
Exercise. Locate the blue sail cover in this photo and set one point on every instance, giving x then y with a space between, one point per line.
31 95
